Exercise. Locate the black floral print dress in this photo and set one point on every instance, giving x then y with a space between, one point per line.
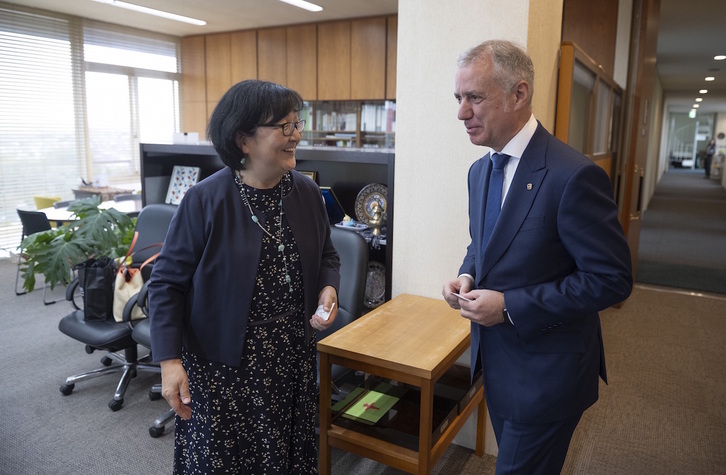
258 418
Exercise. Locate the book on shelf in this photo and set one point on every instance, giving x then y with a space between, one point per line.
370 407
182 178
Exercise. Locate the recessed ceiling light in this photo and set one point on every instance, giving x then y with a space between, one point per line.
696 106
699 99
151 11
710 78
304 5
703 91
720 57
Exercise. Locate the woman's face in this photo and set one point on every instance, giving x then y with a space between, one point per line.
270 154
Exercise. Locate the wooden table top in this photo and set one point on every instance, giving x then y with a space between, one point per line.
410 334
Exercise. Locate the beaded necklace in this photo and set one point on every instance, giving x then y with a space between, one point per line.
278 236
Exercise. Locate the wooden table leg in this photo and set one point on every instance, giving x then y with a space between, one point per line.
425 427
481 427
324 408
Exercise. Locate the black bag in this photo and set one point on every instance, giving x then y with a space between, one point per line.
96 279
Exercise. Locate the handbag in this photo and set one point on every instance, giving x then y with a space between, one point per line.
96 281
128 283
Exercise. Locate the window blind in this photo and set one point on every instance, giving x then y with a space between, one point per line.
78 96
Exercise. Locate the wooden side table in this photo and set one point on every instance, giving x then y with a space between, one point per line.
410 339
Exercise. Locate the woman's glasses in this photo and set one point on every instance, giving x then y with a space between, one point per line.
288 127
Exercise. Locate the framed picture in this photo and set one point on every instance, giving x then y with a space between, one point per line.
312 175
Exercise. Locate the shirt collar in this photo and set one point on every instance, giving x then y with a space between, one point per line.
516 146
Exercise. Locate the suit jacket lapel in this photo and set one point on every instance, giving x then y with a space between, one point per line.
522 192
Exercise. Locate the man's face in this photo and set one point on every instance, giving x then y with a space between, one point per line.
487 111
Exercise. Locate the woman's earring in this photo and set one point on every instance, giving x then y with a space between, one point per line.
242 161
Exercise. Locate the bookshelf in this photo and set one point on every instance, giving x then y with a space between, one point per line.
346 171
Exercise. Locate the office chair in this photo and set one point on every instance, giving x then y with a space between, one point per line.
45 201
127 197
109 335
33 222
353 252
62 204
142 335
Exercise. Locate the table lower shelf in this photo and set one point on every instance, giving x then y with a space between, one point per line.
404 458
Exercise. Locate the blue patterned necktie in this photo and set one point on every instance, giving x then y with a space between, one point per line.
494 194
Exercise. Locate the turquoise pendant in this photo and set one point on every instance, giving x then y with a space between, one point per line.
281 247
254 218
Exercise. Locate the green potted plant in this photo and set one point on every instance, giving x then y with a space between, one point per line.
95 232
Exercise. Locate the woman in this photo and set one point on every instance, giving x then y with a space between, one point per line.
233 296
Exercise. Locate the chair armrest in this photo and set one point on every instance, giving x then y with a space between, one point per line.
137 300
70 293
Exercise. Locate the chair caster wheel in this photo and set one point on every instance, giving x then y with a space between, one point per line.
66 389
156 432
115 405
106 361
154 396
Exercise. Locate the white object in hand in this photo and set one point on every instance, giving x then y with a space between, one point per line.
320 312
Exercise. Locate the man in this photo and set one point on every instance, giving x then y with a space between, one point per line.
533 281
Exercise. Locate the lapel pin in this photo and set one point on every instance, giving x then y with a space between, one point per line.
529 186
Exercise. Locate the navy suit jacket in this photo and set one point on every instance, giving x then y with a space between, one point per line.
201 285
559 255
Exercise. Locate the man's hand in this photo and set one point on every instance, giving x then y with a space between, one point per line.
462 285
486 307
175 387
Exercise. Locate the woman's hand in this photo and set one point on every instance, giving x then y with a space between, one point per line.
328 298
175 387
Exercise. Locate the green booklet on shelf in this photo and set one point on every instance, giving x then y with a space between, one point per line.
371 407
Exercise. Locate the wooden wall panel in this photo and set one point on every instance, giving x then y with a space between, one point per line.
193 85
302 60
592 25
391 57
334 61
368 58
272 55
243 55
219 76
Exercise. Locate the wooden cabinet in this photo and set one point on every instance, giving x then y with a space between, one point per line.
334 61
368 58
272 55
337 60
193 85
243 55
391 56
302 60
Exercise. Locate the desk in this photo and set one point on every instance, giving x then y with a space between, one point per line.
409 339
62 215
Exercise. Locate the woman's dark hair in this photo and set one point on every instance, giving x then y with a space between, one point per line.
244 107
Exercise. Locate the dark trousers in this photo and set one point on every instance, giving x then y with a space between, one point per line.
707 165
532 449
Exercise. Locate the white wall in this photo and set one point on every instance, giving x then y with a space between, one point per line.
433 152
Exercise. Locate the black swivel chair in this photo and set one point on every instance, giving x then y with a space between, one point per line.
109 335
353 251
33 222
142 335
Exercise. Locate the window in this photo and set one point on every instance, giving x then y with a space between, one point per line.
78 97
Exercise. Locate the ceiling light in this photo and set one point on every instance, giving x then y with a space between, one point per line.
696 106
699 99
703 91
151 11
720 57
692 113
710 78
304 5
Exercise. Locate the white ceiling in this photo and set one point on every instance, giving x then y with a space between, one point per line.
691 32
